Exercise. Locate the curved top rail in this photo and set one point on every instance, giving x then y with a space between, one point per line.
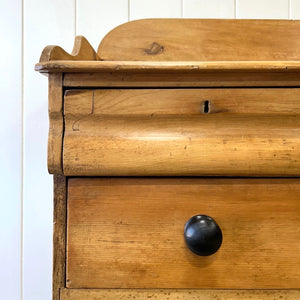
203 40
82 50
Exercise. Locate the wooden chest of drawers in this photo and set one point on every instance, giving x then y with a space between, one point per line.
175 154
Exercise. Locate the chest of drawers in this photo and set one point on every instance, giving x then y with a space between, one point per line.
176 161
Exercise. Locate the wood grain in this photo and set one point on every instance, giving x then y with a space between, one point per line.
167 66
163 133
128 233
182 294
181 79
59 235
181 101
207 40
56 123
82 50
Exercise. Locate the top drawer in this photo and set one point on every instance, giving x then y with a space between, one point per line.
170 132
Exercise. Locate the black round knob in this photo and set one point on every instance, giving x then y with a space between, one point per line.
202 235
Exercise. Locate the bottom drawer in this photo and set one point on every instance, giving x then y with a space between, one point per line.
128 233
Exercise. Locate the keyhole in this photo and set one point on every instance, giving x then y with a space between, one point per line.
206 107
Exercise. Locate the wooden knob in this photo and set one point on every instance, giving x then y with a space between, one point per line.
202 235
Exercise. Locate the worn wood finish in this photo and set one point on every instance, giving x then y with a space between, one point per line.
56 123
181 101
59 235
167 66
202 40
128 233
82 50
185 79
135 123
167 145
182 294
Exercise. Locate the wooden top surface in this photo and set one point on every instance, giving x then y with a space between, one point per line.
168 66
161 45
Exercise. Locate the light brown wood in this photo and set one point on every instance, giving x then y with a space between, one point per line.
182 294
182 79
181 101
222 41
202 40
59 235
164 132
82 50
167 66
128 233
56 123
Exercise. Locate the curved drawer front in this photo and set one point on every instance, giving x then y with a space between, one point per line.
129 233
175 132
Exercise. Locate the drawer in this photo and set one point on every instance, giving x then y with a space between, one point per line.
179 132
129 233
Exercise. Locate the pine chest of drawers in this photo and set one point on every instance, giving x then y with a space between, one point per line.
176 161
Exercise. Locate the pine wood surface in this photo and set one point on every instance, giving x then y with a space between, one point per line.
202 40
163 132
59 235
166 66
162 44
115 226
82 50
181 79
128 233
182 294
208 40
56 123
181 101
215 145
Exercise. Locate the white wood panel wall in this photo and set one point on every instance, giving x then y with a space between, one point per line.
26 188
10 148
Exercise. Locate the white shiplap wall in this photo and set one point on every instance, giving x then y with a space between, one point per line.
10 148
26 188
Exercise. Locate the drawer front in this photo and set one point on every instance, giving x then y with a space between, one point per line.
176 132
128 233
